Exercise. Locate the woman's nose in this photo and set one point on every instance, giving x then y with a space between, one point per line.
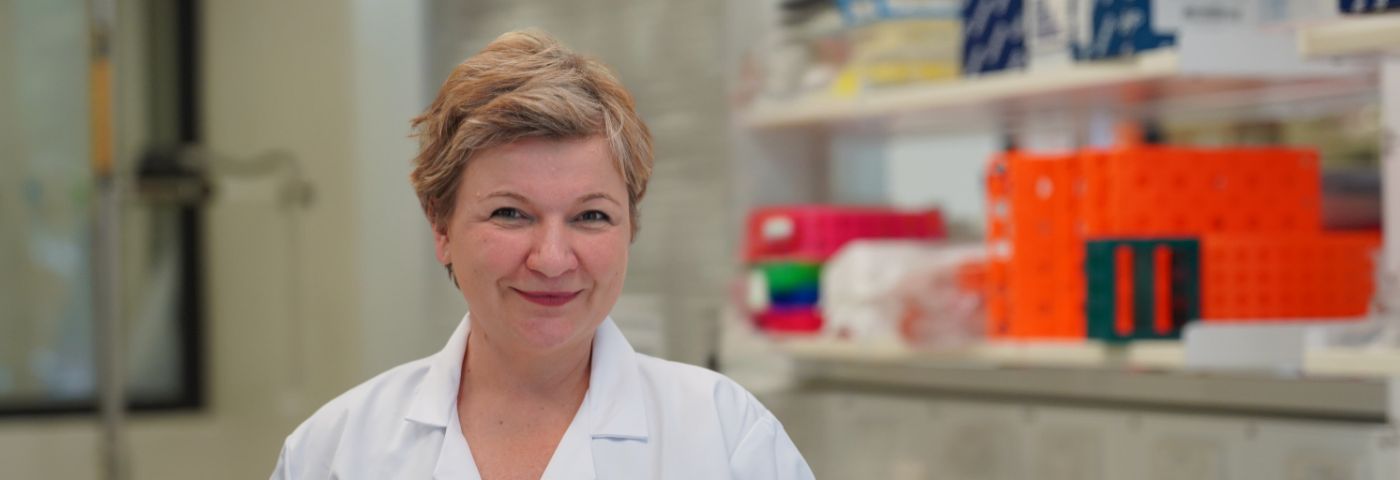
552 255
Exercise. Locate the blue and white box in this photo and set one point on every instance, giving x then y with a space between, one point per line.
1368 6
994 36
1122 28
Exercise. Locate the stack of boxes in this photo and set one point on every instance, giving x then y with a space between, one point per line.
903 42
1135 242
1367 6
1013 34
786 247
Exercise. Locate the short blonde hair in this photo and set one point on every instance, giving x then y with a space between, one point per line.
524 84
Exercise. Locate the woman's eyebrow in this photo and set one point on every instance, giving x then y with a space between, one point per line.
598 195
508 194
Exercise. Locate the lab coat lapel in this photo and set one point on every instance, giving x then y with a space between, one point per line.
573 457
435 398
617 406
616 402
455 457
434 404
613 415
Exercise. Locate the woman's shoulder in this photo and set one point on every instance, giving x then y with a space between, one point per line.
752 439
374 409
672 374
693 389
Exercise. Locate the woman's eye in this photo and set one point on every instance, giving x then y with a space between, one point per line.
594 216
508 213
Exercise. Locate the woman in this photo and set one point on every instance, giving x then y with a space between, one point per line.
532 163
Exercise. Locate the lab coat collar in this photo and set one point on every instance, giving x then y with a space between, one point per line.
617 407
614 402
436 396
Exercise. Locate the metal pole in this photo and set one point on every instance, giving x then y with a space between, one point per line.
110 339
109 334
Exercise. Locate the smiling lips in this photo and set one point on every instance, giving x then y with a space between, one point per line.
548 299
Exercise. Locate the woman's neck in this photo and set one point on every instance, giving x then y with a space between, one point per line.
561 375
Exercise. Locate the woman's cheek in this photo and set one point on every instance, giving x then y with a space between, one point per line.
607 255
495 251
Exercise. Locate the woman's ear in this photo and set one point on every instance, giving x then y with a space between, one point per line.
440 245
444 254
439 227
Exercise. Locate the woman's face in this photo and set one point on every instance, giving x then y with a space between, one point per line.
538 241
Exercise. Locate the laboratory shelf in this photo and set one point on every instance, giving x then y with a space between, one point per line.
1351 36
1154 83
1349 385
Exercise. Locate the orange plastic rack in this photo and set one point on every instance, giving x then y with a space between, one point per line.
1164 191
1034 285
1317 276
1041 209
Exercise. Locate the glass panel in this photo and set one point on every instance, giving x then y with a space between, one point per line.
153 260
46 185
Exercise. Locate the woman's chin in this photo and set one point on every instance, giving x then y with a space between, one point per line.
548 332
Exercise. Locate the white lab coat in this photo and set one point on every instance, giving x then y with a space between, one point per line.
642 418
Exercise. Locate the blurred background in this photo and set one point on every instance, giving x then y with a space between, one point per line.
953 239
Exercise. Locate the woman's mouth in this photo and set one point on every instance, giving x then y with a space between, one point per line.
548 298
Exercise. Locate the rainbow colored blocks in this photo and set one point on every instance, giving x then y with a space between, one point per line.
788 245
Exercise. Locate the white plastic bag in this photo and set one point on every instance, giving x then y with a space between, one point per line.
883 291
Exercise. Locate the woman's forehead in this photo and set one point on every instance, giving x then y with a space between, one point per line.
542 167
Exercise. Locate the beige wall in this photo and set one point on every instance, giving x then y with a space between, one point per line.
292 300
